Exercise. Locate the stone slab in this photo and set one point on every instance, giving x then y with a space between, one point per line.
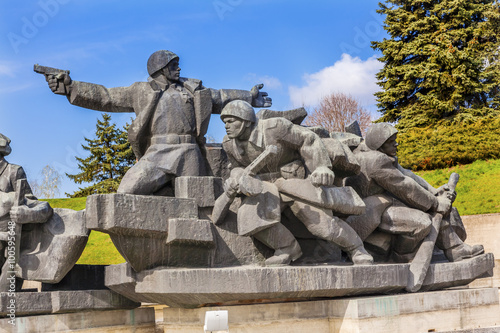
33 303
139 227
190 231
198 287
123 321
418 312
205 190
136 214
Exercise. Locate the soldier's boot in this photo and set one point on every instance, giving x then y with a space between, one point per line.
454 248
281 240
348 240
285 256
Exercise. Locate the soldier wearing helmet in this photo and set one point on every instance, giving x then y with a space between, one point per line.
301 156
31 211
400 203
172 115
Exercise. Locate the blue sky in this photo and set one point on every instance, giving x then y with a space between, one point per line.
300 50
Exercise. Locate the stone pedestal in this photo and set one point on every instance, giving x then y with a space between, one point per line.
124 321
449 310
47 302
201 286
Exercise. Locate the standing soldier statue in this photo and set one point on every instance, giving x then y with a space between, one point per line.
172 115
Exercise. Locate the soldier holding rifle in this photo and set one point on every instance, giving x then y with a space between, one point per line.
405 202
301 165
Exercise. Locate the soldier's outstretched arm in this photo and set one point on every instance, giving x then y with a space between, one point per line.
90 95
255 97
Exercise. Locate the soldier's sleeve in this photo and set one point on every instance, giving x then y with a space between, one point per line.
406 189
99 98
223 96
309 144
422 182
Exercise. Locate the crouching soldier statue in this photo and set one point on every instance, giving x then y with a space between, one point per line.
269 181
402 204
18 207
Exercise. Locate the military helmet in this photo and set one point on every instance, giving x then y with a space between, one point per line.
239 109
160 59
378 134
4 145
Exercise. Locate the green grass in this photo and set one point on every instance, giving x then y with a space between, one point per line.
478 193
100 250
76 203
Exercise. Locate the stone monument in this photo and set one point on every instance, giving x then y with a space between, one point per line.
278 211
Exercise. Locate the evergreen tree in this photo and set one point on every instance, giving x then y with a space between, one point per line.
440 62
110 157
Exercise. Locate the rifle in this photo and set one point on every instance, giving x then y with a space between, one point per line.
422 260
61 89
247 184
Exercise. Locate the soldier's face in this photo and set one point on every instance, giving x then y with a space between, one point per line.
234 126
172 71
390 147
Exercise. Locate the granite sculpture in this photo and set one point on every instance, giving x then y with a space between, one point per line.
410 202
172 115
36 241
276 211
300 164
406 213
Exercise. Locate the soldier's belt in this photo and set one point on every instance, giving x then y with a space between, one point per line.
172 139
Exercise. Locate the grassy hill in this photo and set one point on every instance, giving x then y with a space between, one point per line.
478 189
478 193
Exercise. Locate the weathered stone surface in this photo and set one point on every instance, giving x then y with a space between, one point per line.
195 287
134 321
31 303
233 249
139 227
136 214
349 139
122 279
51 249
296 116
449 310
205 190
217 160
190 231
339 199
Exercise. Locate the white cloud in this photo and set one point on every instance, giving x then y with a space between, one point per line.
349 75
270 82
7 69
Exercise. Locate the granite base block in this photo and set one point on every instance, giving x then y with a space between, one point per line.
35 303
117 321
199 287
